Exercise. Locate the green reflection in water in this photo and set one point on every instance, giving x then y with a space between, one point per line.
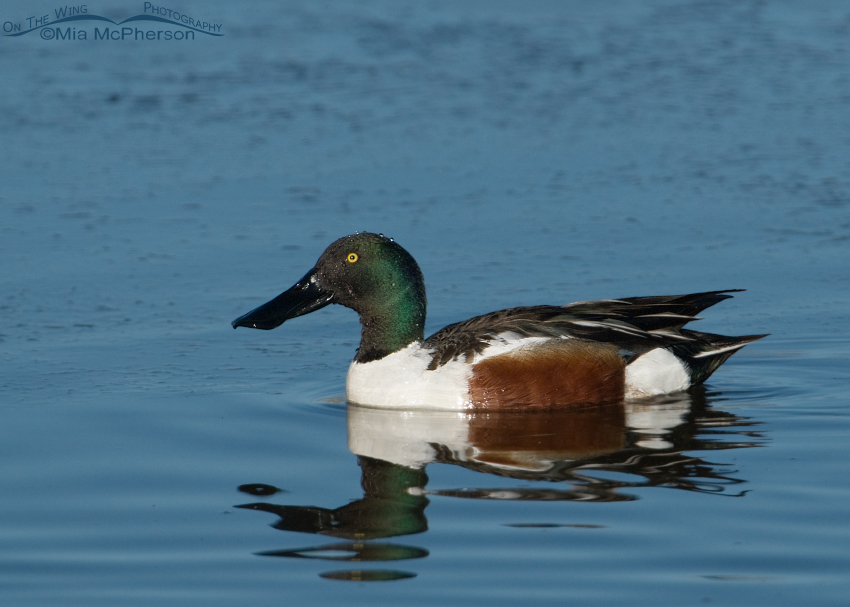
367 575
353 551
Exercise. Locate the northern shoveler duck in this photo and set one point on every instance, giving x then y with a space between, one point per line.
536 356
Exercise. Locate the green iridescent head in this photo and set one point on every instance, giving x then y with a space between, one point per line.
368 273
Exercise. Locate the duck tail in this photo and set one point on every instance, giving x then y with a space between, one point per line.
707 351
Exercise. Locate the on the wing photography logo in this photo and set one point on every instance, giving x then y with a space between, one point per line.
156 22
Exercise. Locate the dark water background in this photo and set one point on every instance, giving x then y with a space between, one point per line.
152 191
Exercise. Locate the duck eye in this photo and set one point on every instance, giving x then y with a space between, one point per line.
352 257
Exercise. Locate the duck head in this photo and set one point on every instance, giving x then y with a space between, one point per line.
369 273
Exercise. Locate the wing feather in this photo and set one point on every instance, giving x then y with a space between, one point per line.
635 324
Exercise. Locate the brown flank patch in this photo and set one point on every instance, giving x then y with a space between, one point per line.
555 372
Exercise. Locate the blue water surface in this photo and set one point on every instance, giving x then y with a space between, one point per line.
152 191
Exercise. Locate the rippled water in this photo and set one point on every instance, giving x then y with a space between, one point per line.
152 192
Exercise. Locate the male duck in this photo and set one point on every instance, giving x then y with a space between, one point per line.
536 356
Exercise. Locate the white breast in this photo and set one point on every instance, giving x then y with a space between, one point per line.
402 380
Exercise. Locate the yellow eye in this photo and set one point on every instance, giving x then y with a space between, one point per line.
352 257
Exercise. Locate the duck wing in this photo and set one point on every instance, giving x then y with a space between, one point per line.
635 324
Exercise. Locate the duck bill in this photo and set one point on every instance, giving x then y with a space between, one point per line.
303 297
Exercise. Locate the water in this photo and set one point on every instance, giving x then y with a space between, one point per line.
152 192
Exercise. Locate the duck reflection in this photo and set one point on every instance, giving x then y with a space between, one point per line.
591 453
645 441
393 504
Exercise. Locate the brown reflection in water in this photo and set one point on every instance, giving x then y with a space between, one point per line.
576 445
531 441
